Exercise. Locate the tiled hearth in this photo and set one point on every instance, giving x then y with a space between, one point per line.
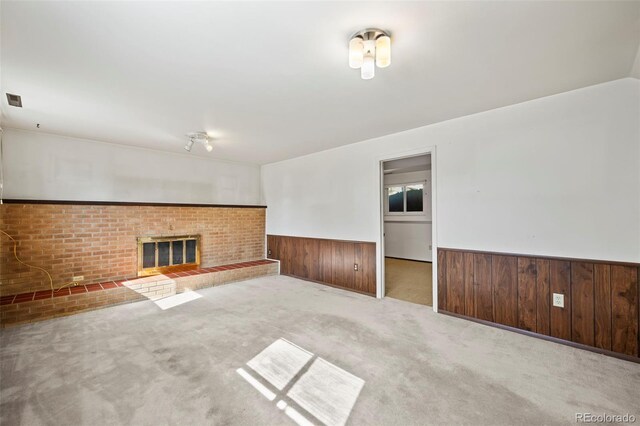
45 304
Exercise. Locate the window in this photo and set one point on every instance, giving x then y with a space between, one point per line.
405 199
415 197
395 196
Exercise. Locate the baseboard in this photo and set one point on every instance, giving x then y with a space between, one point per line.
545 337
331 285
410 260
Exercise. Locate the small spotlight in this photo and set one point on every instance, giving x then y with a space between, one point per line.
199 137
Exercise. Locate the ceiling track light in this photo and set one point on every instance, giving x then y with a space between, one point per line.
369 48
200 137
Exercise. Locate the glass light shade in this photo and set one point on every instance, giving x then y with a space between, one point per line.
209 148
370 48
368 70
383 51
356 52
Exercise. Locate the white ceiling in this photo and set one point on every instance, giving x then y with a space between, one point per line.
270 80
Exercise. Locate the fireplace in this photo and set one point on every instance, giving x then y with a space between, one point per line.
161 255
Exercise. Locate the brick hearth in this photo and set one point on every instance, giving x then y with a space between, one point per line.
45 304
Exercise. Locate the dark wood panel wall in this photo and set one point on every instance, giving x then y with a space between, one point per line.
330 262
600 299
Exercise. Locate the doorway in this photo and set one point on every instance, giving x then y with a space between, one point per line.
408 229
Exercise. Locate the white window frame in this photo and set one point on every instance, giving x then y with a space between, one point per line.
404 199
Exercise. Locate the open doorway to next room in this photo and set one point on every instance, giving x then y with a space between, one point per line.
407 229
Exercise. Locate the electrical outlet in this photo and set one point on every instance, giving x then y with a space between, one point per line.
269 252
355 266
558 300
78 278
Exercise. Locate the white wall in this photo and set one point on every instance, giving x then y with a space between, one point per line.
556 176
409 237
50 167
408 240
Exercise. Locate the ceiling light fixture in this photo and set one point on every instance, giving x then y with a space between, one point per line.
369 48
200 137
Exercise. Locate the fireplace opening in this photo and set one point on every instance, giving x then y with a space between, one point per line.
161 255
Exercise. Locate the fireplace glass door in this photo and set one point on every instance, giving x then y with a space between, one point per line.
159 255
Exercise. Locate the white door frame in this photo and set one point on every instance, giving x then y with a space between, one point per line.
380 288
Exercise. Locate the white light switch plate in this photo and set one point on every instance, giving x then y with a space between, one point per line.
558 300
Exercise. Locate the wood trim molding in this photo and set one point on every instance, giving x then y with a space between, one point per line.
544 337
130 203
570 259
322 239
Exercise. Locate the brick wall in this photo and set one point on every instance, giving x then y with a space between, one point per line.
99 241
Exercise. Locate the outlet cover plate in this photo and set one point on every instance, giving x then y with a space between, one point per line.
558 300
78 278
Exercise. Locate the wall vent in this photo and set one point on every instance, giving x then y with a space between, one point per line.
14 100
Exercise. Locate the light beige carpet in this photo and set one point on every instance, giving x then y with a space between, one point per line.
408 280
222 359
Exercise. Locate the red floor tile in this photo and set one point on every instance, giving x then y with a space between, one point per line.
7 300
93 287
108 285
62 292
24 297
44 294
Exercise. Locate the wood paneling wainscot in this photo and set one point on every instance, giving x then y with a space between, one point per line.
601 299
527 296
325 261
482 286
560 283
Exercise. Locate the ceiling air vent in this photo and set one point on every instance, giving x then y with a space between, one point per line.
14 100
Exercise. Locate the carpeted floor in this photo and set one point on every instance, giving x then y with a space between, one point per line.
408 280
276 350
